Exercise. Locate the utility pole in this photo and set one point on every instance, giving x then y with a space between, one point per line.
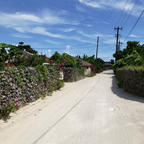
120 43
97 47
117 38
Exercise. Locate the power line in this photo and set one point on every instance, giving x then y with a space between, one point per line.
122 12
129 14
133 27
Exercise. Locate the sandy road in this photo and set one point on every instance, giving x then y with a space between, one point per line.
91 111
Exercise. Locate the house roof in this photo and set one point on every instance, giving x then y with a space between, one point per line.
108 64
85 64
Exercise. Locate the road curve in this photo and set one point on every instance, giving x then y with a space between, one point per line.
90 111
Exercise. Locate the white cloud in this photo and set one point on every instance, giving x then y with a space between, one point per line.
49 53
89 25
92 36
109 41
68 49
116 4
19 35
91 3
52 42
67 29
36 24
43 18
43 31
21 21
133 36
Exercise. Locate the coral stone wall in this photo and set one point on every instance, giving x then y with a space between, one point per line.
131 80
19 86
72 74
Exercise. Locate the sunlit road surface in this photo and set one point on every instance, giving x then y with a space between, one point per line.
91 111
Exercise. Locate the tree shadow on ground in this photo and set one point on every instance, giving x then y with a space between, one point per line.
122 94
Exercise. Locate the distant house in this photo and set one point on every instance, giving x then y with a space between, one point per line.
87 67
108 65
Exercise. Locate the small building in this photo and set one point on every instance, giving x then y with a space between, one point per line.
87 68
108 65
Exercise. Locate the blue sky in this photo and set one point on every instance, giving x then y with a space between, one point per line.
70 25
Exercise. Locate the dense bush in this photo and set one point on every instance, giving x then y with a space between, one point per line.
132 55
16 57
70 61
64 60
32 61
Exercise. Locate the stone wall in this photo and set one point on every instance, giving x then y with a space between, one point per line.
19 86
132 80
72 74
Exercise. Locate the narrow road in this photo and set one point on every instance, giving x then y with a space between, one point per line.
90 111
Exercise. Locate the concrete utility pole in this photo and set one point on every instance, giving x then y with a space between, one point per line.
120 43
97 47
117 38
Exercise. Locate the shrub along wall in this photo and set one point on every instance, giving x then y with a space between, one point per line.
131 79
19 86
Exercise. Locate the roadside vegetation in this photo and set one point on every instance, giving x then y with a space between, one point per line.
129 68
131 56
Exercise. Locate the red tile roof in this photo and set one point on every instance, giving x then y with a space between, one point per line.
85 64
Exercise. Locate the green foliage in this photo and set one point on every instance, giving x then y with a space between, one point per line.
29 61
81 70
64 59
69 60
97 64
57 58
90 59
42 74
112 61
19 81
7 108
132 55
119 63
16 56
118 55
138 68
1 66
27 48
3 57
60 84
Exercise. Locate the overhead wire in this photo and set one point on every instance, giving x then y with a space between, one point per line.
129 14
120 18
135 24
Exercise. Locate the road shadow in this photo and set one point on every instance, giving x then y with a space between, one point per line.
122 94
